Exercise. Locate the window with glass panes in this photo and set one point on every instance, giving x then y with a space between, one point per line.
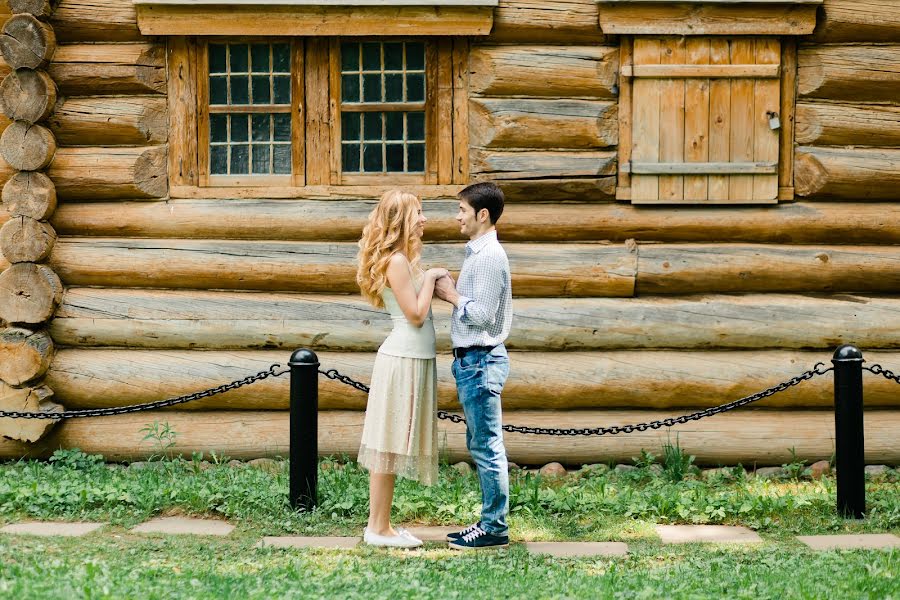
383 107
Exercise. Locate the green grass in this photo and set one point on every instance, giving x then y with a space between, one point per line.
595 504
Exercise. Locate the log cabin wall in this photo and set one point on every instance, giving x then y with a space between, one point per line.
624 313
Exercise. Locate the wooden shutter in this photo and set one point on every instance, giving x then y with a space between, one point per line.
702 110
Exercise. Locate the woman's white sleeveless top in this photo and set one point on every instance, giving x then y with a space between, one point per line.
407 340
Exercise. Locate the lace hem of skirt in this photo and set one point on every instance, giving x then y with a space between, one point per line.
419 468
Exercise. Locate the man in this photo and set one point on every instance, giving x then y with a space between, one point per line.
482 315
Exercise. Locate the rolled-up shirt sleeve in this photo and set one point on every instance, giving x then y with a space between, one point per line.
481 310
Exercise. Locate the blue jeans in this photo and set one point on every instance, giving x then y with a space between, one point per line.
480 377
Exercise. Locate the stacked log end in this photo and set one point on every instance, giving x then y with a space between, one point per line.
30 291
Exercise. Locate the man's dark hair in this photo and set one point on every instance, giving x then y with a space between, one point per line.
484 195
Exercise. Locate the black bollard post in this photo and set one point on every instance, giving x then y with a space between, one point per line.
304 429
848 432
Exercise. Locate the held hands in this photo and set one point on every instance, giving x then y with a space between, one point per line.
437 273
445 289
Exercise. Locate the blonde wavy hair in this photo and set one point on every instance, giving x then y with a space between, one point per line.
389 230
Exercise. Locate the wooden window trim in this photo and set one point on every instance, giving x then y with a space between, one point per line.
316 124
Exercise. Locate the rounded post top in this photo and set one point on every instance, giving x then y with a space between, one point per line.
847 352
303 356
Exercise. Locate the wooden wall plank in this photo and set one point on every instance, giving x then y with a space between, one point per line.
624 112
460 111
788 119
740 188
318 113
766 100
719 119
671 119
696 120
647 121
443 142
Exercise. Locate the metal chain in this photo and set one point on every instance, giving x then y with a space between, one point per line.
121 410
818 369
879 370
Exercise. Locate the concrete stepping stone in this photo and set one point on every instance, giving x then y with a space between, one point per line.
48 528
719 534
574 549
433 533
289 541
874 541
184 525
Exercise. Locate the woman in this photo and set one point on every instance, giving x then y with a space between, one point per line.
400 431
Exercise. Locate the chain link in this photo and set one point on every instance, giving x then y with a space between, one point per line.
886 373
272 371
818 369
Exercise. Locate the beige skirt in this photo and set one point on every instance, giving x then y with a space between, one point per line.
400 431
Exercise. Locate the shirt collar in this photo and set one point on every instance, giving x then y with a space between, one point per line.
478 244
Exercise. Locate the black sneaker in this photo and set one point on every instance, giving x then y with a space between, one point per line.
479 539
452 537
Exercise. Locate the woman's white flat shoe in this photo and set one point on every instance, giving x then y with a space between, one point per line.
390 541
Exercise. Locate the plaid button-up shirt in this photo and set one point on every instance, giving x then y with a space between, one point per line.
483 315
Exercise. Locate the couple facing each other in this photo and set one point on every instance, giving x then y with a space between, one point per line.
400 432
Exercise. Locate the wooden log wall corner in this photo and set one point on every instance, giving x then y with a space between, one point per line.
30 291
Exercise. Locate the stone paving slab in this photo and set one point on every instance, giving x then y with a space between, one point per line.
873 541
308 542
433 533
184 525
686 534
48 528
563 549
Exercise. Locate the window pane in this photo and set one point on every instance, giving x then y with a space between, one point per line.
282 126
261 89
350 88
260 128
393 87
372 126
393 126
372 88
216 58
415 56
371 56
259 58
281 58
350 126
350 158
415 87
239 124
415 126
415 157
393 56
240 93
218 160
238 54
282 157
372 158
218 90
349 57
261 159
218 128
394 157
281 85
240 159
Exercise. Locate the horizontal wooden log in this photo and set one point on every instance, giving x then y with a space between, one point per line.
833 124
24 355
103 69
574 71
37 399
698 268
38 8
96 21
343 220
761 438
537 164
851 73
858 21
551 189
93 173
27 95
513 123
96 378
842 174
557 21
573 270
713 18
27 147
29 293
23 239
30 194
110 121
26 42
92 317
